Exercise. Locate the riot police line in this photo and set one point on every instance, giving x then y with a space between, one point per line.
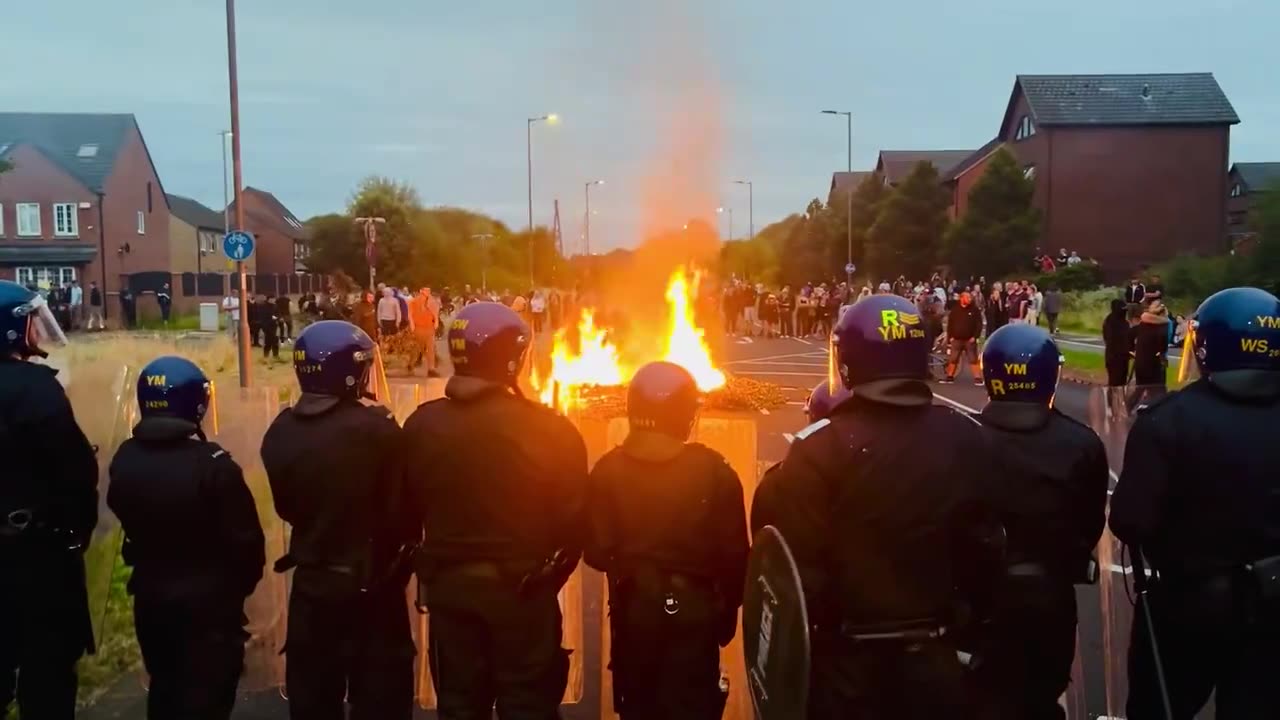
899 583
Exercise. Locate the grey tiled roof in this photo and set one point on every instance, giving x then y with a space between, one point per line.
973 158
842 180
1157 99
895 165
1258 175
269 211
195 213
59 136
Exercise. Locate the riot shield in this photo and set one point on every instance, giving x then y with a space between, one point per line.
775 628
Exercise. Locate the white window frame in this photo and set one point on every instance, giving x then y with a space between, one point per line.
1237 190
1 219
72 214
31 232
55 275
1029 172
142 222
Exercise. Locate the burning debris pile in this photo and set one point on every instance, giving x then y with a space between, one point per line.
591 378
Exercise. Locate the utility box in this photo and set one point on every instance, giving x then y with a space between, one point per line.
209 317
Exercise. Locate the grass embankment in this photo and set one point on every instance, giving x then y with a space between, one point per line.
1088 366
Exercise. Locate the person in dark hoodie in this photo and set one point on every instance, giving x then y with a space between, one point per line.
364 315
1049 487
669 528
1117 343
193 538
1150 352
337 477
1196 503
499 487
884 603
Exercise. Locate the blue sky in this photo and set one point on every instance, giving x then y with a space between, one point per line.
667 101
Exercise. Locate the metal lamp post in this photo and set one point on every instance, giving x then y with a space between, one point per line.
551 118
242 342
484 239
848 195
586 227
751 207
729 211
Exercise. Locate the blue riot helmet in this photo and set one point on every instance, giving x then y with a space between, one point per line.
333 357
822 401
1237 329
488 341
174 387
880 337
26 324
663 397
1021 363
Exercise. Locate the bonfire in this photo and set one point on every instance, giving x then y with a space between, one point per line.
591 378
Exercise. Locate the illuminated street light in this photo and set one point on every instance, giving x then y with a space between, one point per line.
729 211
751 207
550 119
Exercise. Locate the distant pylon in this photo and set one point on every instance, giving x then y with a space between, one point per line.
555 230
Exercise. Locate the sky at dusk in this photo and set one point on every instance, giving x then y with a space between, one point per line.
667 101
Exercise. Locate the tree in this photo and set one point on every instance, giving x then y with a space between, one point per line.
1264 261
335 246
1000 228
907 234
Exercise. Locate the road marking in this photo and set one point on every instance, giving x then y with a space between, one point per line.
764 411
957 405
779 374
795 402
769 358
789 437
744 340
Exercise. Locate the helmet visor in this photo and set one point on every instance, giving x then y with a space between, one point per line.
43 332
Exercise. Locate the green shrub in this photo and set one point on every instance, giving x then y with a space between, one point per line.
1188 279
1084 276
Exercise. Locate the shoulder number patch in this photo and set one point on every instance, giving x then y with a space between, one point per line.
802 434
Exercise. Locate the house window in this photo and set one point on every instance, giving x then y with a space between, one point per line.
1026 128
46 277
87 151
29 219
300 251
206 243
1029 172
66 221
142 223
1236 190
1 220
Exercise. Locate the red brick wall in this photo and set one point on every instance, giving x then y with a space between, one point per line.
34 178
964 185
126 194
1135 196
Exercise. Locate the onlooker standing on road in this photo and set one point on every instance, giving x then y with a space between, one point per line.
537 308
1155 290
1150 346
997 309
964 324
364 315
1115 340
270 323
787 312
389 315
425 318
1035 302
77 304
1052 307
284 318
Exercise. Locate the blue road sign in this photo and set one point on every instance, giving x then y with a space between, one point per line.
237 245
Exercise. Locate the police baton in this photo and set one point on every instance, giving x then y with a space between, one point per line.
1140 581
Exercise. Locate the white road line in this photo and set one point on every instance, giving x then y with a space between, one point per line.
957 405
764 411
789 437
805 355
806 342
779 374
745 340
795 402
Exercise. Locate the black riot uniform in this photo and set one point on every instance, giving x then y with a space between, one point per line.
48 509
195 543
892 543
336 475
1048 487
1198 502
500 483
669 528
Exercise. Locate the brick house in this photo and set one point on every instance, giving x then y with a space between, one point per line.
961 178
1129 169
281 239
895 165
195 238
1247 182
83 201
843 182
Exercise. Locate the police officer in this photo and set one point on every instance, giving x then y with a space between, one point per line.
500 486
880 507
1049 487
193 538
336 473
669 527
48 509
1199 500
818 405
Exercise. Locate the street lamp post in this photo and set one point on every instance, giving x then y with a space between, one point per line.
226 205
233 82
529 156
848 195
586 227
751 207
729 212
370 225
484 239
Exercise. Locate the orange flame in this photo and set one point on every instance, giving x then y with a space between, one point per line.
597 362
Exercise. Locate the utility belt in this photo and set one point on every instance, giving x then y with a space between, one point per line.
28 527
669 585
16 522
522 575
1087 575
903 631
359 576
